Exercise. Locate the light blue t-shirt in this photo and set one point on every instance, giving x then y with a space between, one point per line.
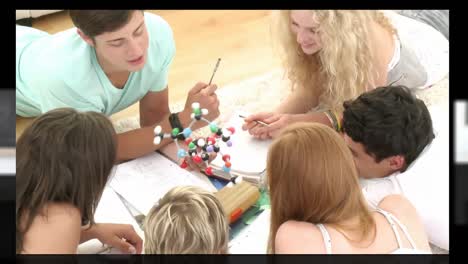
61 70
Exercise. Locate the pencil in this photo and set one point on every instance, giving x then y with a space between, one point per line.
257 121
214 71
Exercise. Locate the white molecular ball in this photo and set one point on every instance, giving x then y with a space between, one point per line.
201 142
195 105
226 132
229 185
157 130
192 116
157 140
204 111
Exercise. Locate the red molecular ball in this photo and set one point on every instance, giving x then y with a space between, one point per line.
188 140
227 164
232 130
184 165
211 140
226 157
197 159
209 171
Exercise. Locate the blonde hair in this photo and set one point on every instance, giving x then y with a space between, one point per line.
343 68
312 178
187 220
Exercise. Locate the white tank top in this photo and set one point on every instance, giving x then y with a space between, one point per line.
393 221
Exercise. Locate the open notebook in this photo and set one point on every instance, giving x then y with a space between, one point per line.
110 210
248 154
143 181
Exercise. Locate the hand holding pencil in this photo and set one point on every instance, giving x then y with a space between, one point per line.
266 125
205 95
256 121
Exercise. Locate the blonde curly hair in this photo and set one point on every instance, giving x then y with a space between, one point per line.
344 67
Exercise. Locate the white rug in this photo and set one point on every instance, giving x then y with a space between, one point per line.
265 92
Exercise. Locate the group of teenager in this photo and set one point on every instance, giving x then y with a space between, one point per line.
351 127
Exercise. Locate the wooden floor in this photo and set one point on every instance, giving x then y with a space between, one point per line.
241 38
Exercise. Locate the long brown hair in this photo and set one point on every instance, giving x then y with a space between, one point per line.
312 178
63 156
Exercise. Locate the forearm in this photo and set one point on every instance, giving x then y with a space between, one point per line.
151 118
139 142
154 106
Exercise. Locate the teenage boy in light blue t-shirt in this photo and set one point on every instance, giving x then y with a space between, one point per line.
109 61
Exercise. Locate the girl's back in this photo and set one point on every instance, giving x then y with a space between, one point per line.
303 237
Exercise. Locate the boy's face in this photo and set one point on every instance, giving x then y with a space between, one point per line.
366 165
126 48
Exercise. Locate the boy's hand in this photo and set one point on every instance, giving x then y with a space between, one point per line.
201 165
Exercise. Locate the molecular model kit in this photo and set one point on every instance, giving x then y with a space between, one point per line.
199 149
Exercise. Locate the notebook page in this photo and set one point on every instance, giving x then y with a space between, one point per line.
248 154
143 181
110 210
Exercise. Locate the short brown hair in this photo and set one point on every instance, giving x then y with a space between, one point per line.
95 22
388 121
63 156
187 220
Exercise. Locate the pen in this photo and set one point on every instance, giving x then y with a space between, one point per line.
214 71
257 121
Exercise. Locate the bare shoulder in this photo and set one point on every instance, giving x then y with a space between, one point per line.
295 237
404 211
399 206
57 230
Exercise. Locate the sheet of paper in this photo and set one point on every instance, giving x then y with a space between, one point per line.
248 154
253 239
143 181
110 210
